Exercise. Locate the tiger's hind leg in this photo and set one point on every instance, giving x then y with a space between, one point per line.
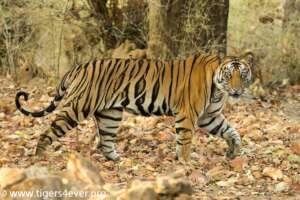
108 122
65 120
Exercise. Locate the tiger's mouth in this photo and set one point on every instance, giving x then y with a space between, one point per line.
235 95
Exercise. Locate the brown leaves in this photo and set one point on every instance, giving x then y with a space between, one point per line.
269 162
295 146
238 164
83 170
9 176
274 173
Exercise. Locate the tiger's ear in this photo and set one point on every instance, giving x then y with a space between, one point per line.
248 57
221 55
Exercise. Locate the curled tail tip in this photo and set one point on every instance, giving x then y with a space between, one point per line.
25 95
42 113
22 93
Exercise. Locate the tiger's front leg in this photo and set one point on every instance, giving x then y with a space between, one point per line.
218 125
65 121
184 134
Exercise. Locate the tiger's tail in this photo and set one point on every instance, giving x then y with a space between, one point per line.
61 90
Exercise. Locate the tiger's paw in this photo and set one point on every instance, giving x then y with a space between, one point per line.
43 143
39 151
183 154
234 149
114 156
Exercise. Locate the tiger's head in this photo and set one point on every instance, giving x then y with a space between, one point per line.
234 74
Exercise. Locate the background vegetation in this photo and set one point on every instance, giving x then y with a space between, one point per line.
51 36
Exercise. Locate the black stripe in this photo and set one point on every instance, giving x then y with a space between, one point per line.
43 137
180 120
164 106
131 72
68 119
86 65
37 114
75 109
217 110
180 129
51 107
106 133
216 100
107 146
107 117
94 62
83 79
139 103
190 79
208 123
119 109
224 130
171 81
139 87
56 128
178 73
89 97
27 113
114 71
163 70
216 129
98 81
108 152
55 132
120 80
126 101
154 96
58 98
157 112
111 126
188 141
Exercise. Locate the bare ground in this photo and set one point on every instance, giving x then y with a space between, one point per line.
269 167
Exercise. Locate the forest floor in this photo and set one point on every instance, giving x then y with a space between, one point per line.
268 168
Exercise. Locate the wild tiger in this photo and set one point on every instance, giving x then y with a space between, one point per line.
193 90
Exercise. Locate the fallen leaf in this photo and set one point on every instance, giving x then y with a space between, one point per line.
238 164
294 158
228 182
274 173
282 186
295 146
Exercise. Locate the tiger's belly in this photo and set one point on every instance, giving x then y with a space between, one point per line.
139 109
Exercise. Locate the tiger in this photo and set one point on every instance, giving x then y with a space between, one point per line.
192 90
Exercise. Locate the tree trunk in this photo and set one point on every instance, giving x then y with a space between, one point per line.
206 26
291 34
218 17
165 27
180 27
108 19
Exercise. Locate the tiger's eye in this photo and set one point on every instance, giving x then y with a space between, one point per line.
227 74
244 73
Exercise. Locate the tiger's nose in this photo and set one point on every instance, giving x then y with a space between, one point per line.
235 92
